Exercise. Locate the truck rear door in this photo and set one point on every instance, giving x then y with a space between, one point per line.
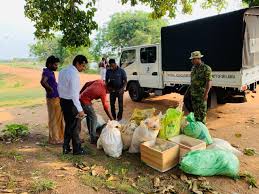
250 71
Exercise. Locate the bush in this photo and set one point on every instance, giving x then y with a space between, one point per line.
42 185
15 131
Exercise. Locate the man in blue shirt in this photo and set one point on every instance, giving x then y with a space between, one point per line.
48 81
116 81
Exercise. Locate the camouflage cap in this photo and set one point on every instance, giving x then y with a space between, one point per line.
196 55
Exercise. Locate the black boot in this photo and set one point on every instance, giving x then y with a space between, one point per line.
78 150
94 140
66 150
66 146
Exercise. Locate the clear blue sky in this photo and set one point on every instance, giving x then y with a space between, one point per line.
17 31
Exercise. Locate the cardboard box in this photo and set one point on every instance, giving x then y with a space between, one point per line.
157 159
188 144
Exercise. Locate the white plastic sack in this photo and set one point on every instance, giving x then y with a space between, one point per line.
146 131
110 139
223 145
127 133
100 123
123 122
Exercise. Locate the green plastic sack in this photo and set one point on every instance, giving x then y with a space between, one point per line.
197 129
171 123
210 162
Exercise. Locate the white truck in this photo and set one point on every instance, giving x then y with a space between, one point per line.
229 42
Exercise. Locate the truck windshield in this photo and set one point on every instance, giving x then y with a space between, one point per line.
127 58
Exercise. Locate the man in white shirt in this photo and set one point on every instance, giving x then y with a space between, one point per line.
69 88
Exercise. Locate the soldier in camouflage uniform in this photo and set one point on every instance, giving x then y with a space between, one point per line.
201 80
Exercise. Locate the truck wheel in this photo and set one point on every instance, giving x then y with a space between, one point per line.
212 101
136 92
146 95
221 100
221 95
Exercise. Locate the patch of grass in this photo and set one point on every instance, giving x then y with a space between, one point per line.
127 188
21 97
44 142
14 131
12 155
9 81
11 184
250 179
40 156
249 151
23 64
18 85
117 167
144 184
71 158
91 151
36 173
94 181
22 103
42 185
2 83
12 92
3 77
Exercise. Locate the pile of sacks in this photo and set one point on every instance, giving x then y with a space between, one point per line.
147 125
220 158
143 126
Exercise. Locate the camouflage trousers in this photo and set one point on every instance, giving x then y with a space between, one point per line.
199 108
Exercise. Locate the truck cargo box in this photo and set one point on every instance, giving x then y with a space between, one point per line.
219 38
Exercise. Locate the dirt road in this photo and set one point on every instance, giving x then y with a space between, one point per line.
224 122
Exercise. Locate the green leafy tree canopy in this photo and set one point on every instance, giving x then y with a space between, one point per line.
251 3
42 49
75 18
69 17
127 29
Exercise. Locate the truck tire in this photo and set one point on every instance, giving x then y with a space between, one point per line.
212 100
146 95
221 100
221 95
136 92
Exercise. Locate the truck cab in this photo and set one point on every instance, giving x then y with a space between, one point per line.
143 68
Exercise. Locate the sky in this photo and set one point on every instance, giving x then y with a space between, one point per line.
17 31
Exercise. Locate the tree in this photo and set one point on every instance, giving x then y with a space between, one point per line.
164 7
66 16
100 47
42 49
251 3
124 28
76 21
53 46
127 29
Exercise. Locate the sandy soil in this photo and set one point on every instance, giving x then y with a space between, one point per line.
224 122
